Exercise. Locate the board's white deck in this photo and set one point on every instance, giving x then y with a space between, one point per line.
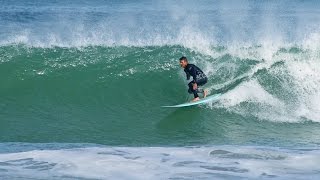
211 98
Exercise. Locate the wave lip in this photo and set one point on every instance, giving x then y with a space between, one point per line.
191 24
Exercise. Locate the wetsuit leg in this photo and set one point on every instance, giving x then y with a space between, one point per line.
200 82
191 91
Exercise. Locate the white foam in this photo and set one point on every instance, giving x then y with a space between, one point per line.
306 78
251 99
162 163
250 91
294 95
198 26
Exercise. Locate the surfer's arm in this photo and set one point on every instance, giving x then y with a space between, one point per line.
188 75
193 74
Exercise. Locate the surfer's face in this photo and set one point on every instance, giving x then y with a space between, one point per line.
183 63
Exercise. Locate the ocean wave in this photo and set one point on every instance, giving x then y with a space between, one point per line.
282 86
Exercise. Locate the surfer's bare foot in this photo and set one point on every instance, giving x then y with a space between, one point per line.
205 92
196 99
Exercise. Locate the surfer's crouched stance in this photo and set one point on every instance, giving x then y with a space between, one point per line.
199 78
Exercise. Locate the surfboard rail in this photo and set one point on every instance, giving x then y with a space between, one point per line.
211 98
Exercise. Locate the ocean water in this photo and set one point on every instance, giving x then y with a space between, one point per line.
82 84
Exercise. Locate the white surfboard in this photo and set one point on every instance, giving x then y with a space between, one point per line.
212 98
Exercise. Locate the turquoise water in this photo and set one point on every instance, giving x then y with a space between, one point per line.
88 80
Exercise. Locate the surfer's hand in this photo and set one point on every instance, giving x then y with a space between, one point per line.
195 86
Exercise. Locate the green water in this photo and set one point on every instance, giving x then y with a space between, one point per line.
113 96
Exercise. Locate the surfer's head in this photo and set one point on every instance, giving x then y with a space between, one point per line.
183 62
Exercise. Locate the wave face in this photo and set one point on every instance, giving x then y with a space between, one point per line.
112 95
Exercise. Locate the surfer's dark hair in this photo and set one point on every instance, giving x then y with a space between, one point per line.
183 58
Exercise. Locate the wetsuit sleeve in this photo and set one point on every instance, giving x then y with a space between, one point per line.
188 75
194 73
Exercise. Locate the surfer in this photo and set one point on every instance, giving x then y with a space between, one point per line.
199 78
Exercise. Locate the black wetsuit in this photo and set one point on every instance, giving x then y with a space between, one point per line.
198 77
